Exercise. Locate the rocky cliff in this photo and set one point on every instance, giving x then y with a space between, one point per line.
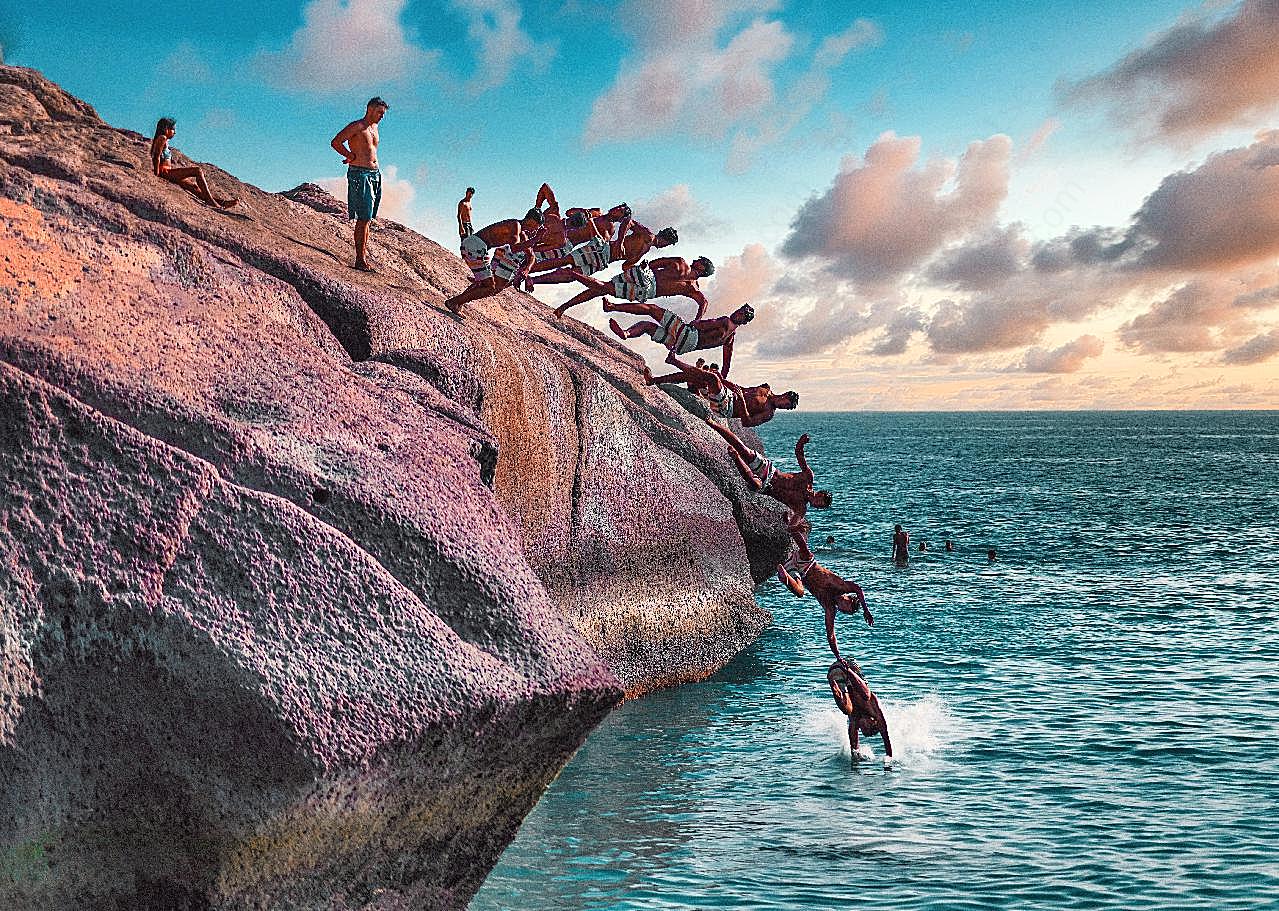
310 587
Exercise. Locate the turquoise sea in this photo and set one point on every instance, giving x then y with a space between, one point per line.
1091 721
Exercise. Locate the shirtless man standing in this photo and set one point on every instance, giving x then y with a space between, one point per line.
464 228
680 337
666 277
833 593
794 490
357 144
901 546
752 405
854 698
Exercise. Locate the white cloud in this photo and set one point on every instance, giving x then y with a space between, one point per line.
885 215
708 69
695 87
742 279
676 207
360 45
494 27
1069 358
1206 73
1257 349
802 96
347 45
186 64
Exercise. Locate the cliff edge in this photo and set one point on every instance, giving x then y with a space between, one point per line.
310 586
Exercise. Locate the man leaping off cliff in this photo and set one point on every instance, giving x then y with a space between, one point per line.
752 405
794 490
666 277
509 268
553 244
667 328
590 232
632 242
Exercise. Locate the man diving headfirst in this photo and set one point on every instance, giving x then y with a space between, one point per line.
794 490
633 242
833 593
553 244
666 277
669 329
855 700
752 405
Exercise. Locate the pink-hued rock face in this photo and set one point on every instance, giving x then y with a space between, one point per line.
309 587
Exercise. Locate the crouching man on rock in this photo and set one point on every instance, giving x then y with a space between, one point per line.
509 267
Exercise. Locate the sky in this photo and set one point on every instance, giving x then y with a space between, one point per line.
933 206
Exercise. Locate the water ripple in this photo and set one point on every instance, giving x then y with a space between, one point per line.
1091 722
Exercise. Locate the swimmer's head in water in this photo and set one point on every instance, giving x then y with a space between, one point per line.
821 499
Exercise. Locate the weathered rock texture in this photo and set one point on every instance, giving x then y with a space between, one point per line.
309 587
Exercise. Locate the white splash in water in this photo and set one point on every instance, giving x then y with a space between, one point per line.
918 729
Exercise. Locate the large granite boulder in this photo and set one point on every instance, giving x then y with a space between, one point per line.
310 586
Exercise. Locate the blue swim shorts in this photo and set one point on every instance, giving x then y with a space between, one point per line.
363 192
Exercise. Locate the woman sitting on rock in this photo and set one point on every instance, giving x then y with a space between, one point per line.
190 179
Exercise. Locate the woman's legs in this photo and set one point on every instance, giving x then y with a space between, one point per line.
180 176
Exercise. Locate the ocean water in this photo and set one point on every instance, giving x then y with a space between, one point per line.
1091 721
